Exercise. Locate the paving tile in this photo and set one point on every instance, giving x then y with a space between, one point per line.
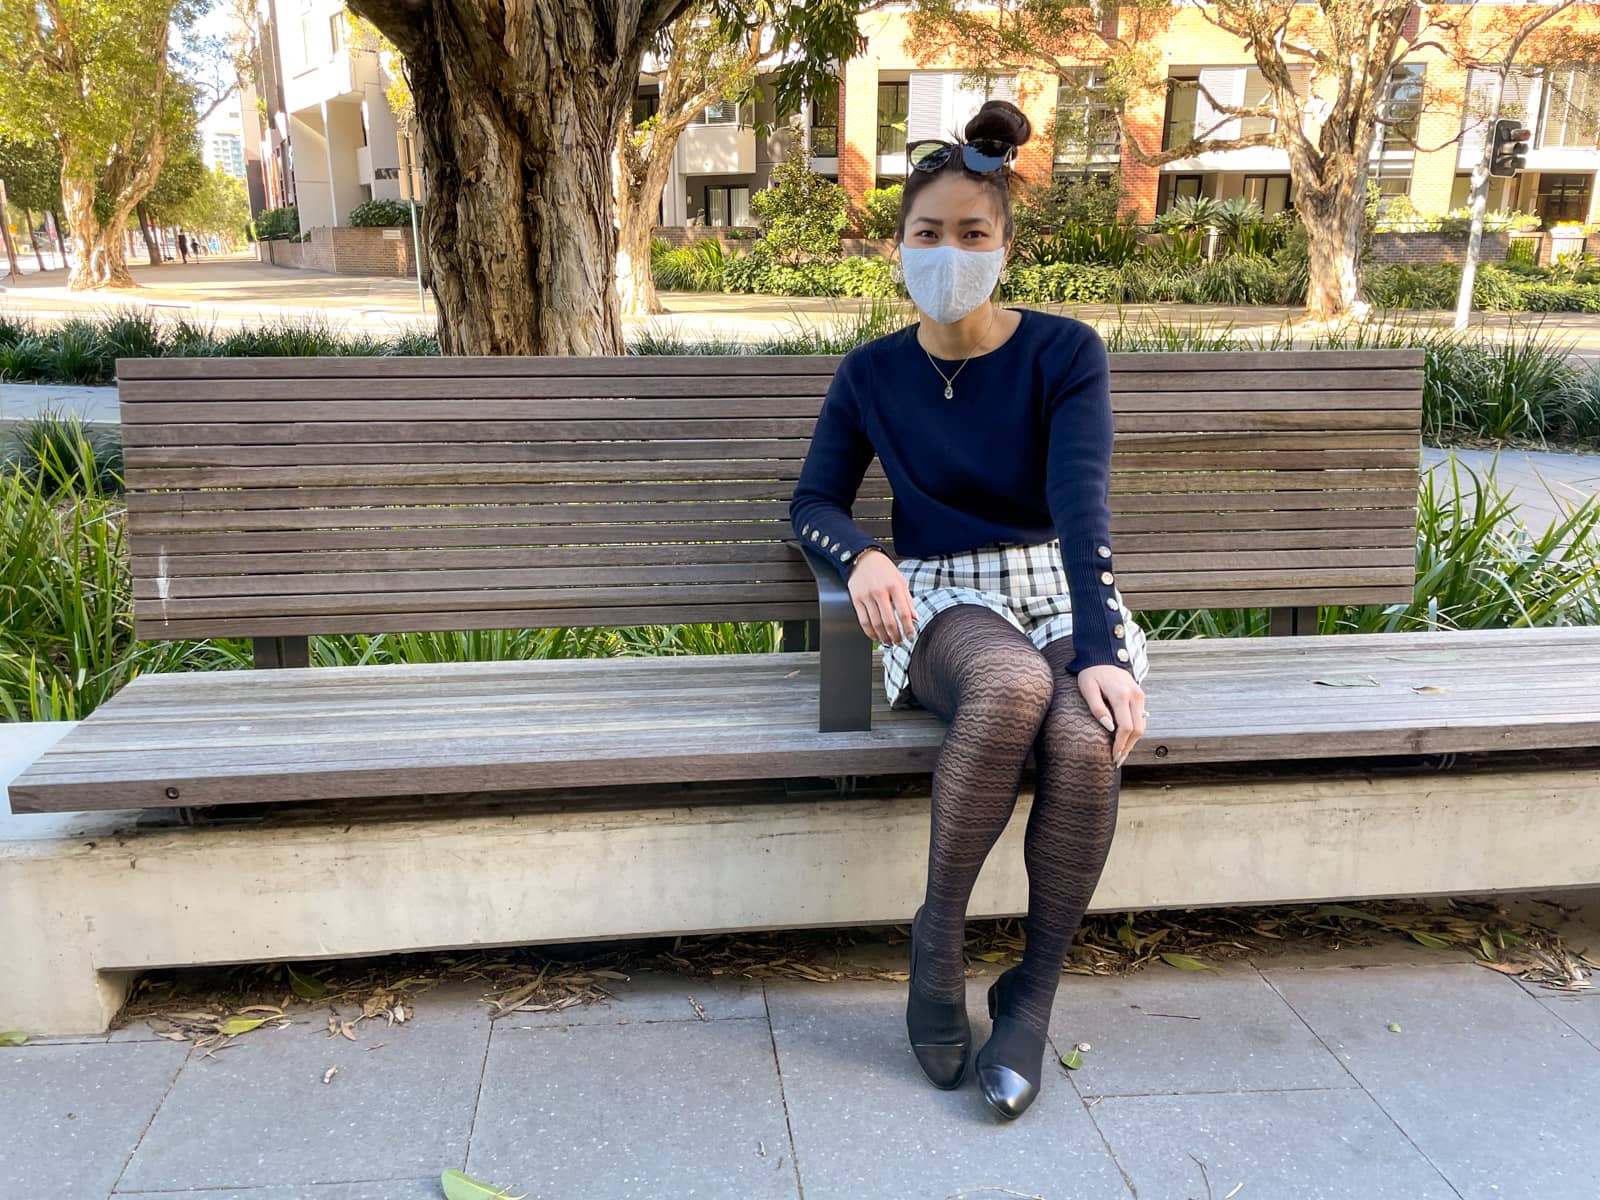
1309 1145
868 1123
642 1111
653 996
1581 1011
375 1189
258 1113
1483 1078
1166 1030
72 1113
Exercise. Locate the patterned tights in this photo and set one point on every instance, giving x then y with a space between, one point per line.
1001 695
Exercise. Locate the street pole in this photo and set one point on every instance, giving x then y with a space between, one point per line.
416 253
1480 203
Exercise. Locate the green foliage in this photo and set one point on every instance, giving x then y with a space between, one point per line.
32 173
1188 213
1074 200
277 223
1079 283
802 213
882 210
854 275
1109 245
219 205
183 173
701 266
383 212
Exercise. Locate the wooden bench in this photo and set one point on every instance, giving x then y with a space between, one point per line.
274 499
277 498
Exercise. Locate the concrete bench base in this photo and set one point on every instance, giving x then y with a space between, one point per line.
86 900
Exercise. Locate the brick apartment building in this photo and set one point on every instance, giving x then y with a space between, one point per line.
329 142
857 133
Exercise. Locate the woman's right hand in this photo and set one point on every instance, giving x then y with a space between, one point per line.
881 595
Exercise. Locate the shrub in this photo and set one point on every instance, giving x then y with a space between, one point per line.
1235 279
1110 245
382 212
882 211
277 223
802 212
1072 283
1075 200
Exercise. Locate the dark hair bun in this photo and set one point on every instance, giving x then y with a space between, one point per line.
1000 119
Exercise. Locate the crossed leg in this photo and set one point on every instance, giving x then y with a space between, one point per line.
1000 696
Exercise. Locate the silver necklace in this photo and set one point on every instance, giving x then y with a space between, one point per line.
949 380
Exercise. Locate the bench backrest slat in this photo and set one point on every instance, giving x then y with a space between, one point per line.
280 497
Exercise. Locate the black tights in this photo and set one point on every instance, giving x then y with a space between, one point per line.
1001 695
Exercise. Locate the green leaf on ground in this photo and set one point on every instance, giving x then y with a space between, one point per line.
1072 1060
235 1025
305 986
1394 1026
1431 940
1349 681
459 1186
13 1037
1185 962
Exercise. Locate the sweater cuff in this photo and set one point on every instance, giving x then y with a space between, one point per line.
1099 632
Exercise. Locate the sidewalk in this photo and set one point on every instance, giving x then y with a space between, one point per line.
231 291
1272 1078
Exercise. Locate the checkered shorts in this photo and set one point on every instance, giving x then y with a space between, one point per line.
1027 585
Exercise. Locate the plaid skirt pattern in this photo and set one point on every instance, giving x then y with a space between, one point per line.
1027 585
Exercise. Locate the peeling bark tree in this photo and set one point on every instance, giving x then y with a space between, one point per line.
519 104
517 108
704 66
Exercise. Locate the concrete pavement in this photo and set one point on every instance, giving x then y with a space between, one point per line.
233 291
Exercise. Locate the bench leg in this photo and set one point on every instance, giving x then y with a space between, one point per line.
52 987
281 652
1299 620
801 635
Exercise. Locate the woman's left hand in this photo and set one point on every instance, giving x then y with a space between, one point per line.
1117 702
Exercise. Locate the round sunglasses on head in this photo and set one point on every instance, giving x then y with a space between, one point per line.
982 157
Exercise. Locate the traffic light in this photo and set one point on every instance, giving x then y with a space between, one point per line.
1510 153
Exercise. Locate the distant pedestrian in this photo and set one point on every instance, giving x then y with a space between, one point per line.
183 246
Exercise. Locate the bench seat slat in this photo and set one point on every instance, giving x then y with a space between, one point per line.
510 741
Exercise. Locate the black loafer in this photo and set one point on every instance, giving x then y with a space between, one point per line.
940 1033
1011 1051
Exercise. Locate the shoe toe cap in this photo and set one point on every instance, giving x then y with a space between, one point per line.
1006 1090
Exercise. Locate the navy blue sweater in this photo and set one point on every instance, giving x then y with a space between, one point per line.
1021 454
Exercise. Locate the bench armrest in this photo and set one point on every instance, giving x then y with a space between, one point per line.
845 689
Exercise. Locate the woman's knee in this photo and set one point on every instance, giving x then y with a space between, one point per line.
1016 686
1069 733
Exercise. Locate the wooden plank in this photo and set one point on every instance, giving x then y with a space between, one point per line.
536 739
653 365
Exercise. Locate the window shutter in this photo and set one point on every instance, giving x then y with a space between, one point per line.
1520 100
925 110
1227 85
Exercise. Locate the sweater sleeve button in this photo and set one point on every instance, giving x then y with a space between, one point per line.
1122 654
1117 629
1105 576
1104 551
1111 601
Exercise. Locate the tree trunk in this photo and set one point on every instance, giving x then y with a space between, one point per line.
151 245
61 238
101 261
1334 216
517 113
637 198
33 238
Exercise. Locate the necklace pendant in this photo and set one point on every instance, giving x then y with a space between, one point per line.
948 391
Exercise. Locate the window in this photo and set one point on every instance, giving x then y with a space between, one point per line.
1177 187
645 107
894 101
1181 111
1563 197
338 31
724 112
1258 91
1271 192
1402 107
727 204
1086 125
825 123
1571 101
1392 180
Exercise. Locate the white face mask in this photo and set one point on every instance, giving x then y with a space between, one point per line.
948 282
